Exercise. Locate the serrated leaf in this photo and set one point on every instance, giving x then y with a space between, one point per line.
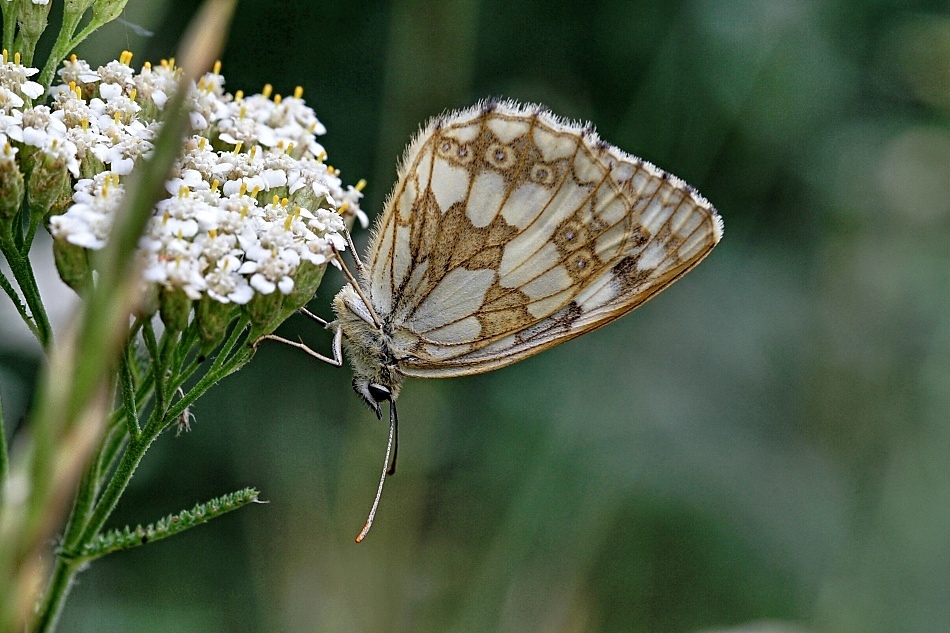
128 538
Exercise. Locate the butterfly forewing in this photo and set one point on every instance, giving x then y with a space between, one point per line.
510 231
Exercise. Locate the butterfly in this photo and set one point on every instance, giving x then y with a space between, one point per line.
509 230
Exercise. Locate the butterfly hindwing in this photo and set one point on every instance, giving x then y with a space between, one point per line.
510 230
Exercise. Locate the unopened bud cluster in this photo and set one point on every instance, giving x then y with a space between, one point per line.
252 213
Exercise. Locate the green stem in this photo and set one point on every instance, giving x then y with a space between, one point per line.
127 383
61 48
112 447
64 573
15 299
145 382
37 308
158 372
117 484
9 24
85 498
186 343
22 271
30 232
84 33
236 334
65 568
184 375
238 360
137 446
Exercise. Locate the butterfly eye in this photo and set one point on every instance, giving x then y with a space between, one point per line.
379 393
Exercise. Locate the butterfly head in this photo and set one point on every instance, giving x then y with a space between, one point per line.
373 394
375 375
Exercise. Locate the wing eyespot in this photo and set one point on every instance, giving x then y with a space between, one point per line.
581 264
543 174
499 156
455 152
570 236
575 231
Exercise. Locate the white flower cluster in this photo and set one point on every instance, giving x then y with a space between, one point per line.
15 89
251 198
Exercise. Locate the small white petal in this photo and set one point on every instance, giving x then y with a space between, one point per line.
231 187
31 89
273 178
262 285
110 91
198 122
34 137
242 294
123 166
286 285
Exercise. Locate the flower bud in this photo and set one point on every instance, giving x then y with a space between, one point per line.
90 165
213 319
60 204
174 307
11 183
306 198
107 10
48 181
148 302
26 156
32 22
72 263
76 7
306 281
264 312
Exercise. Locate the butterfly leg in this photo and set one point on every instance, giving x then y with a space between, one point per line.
307 313
336 361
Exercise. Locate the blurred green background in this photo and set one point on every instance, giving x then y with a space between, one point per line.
766 446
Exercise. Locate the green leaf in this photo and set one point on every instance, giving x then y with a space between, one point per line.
128 538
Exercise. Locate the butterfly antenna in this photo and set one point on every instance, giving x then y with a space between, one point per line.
387 470
356 255
356 286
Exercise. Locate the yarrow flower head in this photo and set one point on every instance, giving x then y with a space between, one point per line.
15 77
253 212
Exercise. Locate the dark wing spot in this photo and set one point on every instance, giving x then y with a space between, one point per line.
572 312
627 274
